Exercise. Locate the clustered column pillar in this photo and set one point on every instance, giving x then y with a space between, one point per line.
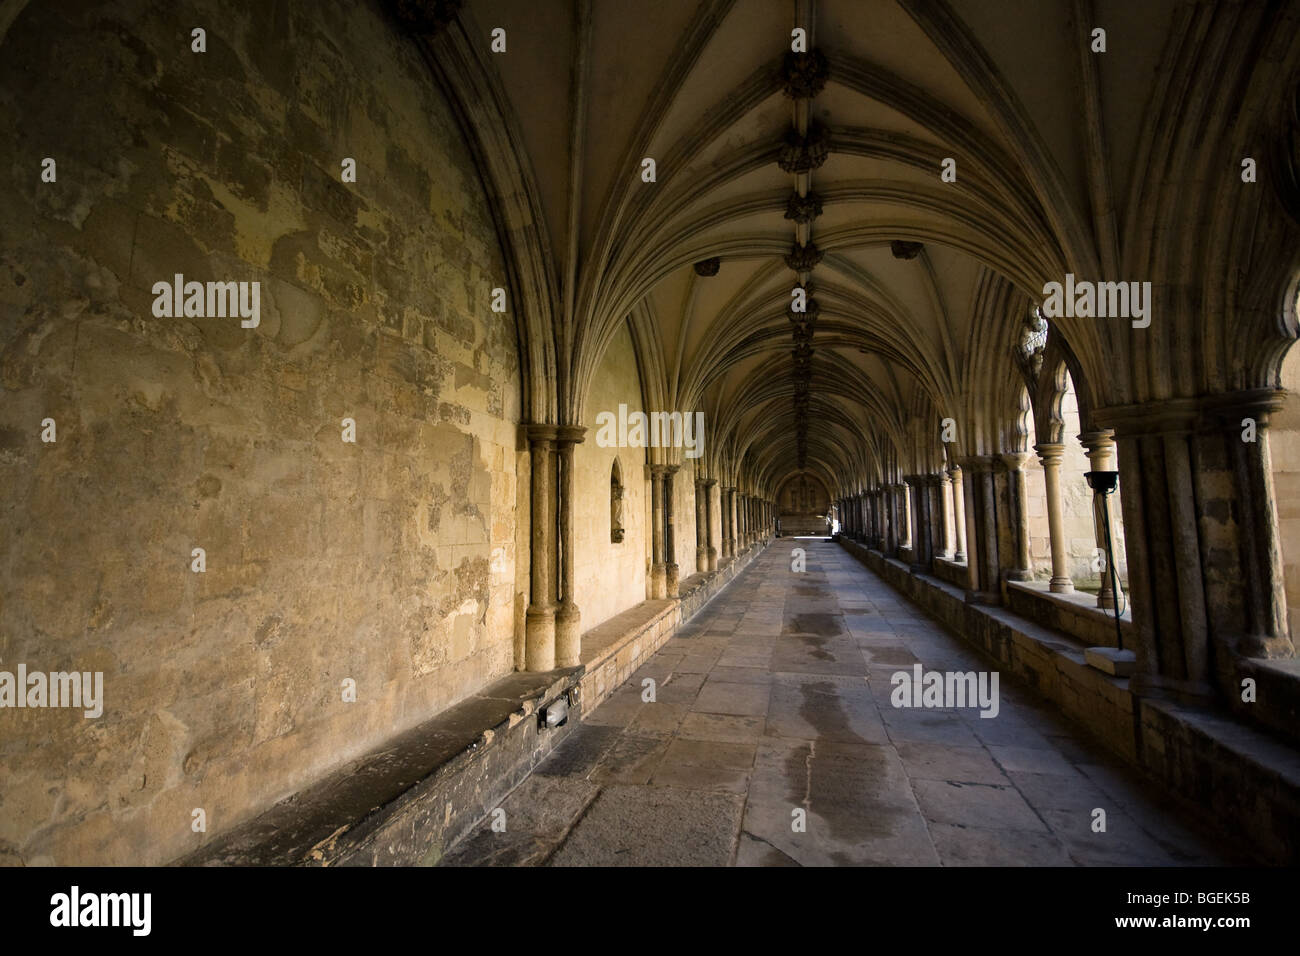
943 486
873 518
891 521
658 573
1101 457
982 530
1204 555
901 507
710 538
733 521
958 513
1018 487
539 620
568 619
701 529
920 522
934 513
1050 453
671 570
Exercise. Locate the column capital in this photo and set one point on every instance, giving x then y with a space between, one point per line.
1015 460
657 471
977 463
1050 452
1100 439
539 433
1184 415
570 434
710 482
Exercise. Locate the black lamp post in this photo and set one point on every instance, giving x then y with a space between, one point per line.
1105 483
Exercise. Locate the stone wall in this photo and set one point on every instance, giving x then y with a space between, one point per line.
391 561
610 577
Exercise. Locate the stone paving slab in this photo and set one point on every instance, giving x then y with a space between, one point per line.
773 740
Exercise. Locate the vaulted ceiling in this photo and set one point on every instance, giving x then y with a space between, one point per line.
1045 134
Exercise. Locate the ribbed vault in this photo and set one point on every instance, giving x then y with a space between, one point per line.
823 169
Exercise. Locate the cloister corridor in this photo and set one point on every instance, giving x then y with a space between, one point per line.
776 696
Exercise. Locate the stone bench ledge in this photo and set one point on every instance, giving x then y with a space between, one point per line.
428 767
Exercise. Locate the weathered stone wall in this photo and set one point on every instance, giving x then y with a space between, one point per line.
609 577
390 561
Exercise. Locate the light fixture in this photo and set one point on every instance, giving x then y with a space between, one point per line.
1104 483
555 714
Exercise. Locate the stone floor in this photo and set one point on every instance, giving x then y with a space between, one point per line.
774 700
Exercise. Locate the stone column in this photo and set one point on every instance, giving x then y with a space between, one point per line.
710 536
1204 556
958 513
874 534
732 528
944 488
1100 446
568 619
701 529
901 497
920 524
1018 479
891 521
658 570
1050 454
539 620
671 571
981 530
724 516
934 506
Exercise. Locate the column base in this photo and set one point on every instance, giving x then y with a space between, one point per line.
1186 692
671 580
658 587
1061 586
539 638
1020 574
712 559
1264 646
568 635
